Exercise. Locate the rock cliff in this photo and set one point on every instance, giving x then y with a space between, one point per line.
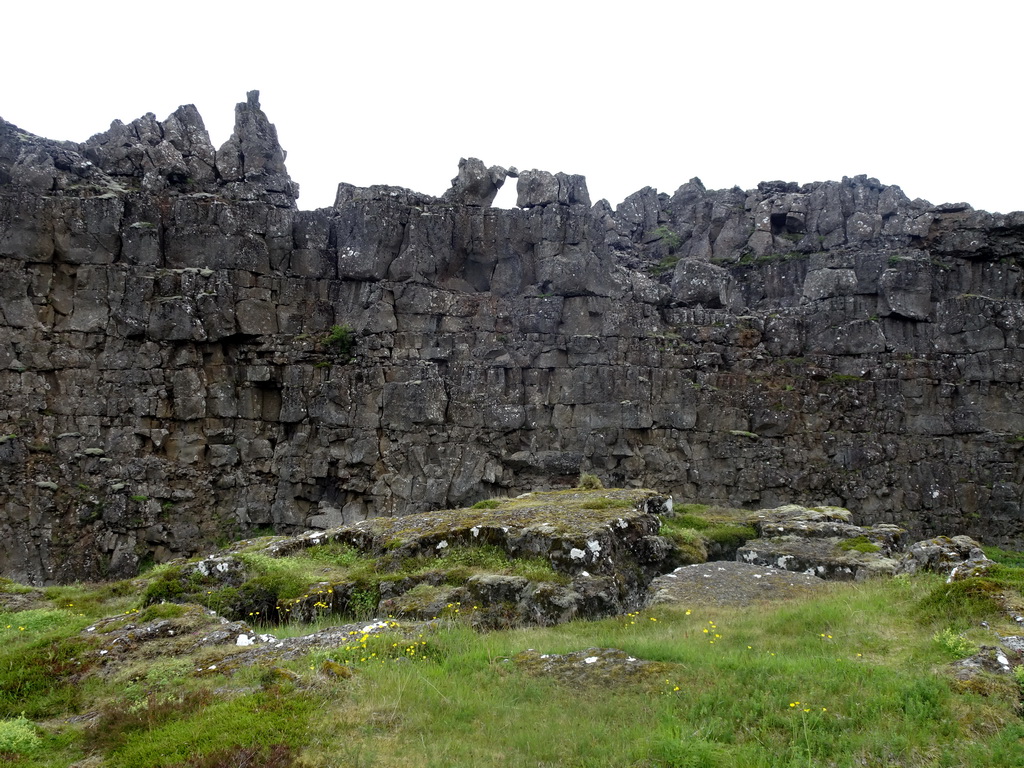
186 357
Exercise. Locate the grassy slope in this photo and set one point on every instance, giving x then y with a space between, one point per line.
857 677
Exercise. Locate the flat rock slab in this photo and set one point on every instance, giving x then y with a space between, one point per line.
605 667
730 583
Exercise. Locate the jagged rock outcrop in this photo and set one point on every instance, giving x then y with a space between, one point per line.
821 541
543 558
167 377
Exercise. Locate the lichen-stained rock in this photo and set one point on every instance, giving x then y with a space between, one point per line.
539 188
117 641
818 557
958 556
820 541
826 283
989 672
698 282
907 291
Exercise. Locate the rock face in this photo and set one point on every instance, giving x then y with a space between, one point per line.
168 376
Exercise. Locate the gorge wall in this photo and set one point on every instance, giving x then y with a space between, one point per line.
169 377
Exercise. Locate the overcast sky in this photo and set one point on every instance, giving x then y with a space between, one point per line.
923 95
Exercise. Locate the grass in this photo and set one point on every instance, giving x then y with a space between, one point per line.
1015 559
858 544
18 737
42 650
854 677
697 528
826 681
858 675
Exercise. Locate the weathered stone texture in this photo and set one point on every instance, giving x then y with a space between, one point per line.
166 378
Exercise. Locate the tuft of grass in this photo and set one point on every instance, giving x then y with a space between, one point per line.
698 536
858 544
606 503
691 545
963 602
589 482
42 662
9 587
193 730
733 536
487 504
954 643
696 522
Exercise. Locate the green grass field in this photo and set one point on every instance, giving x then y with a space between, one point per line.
859 676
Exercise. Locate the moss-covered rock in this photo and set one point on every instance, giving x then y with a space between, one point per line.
538 558
822 541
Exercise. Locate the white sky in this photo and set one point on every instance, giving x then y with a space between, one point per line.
924 95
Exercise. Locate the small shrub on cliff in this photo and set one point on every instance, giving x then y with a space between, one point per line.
666 264
342 339
589 482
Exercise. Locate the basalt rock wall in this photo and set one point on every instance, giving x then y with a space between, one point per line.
176 366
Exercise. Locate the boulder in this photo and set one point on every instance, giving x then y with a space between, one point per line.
601 667
538 188
958 556
820 541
